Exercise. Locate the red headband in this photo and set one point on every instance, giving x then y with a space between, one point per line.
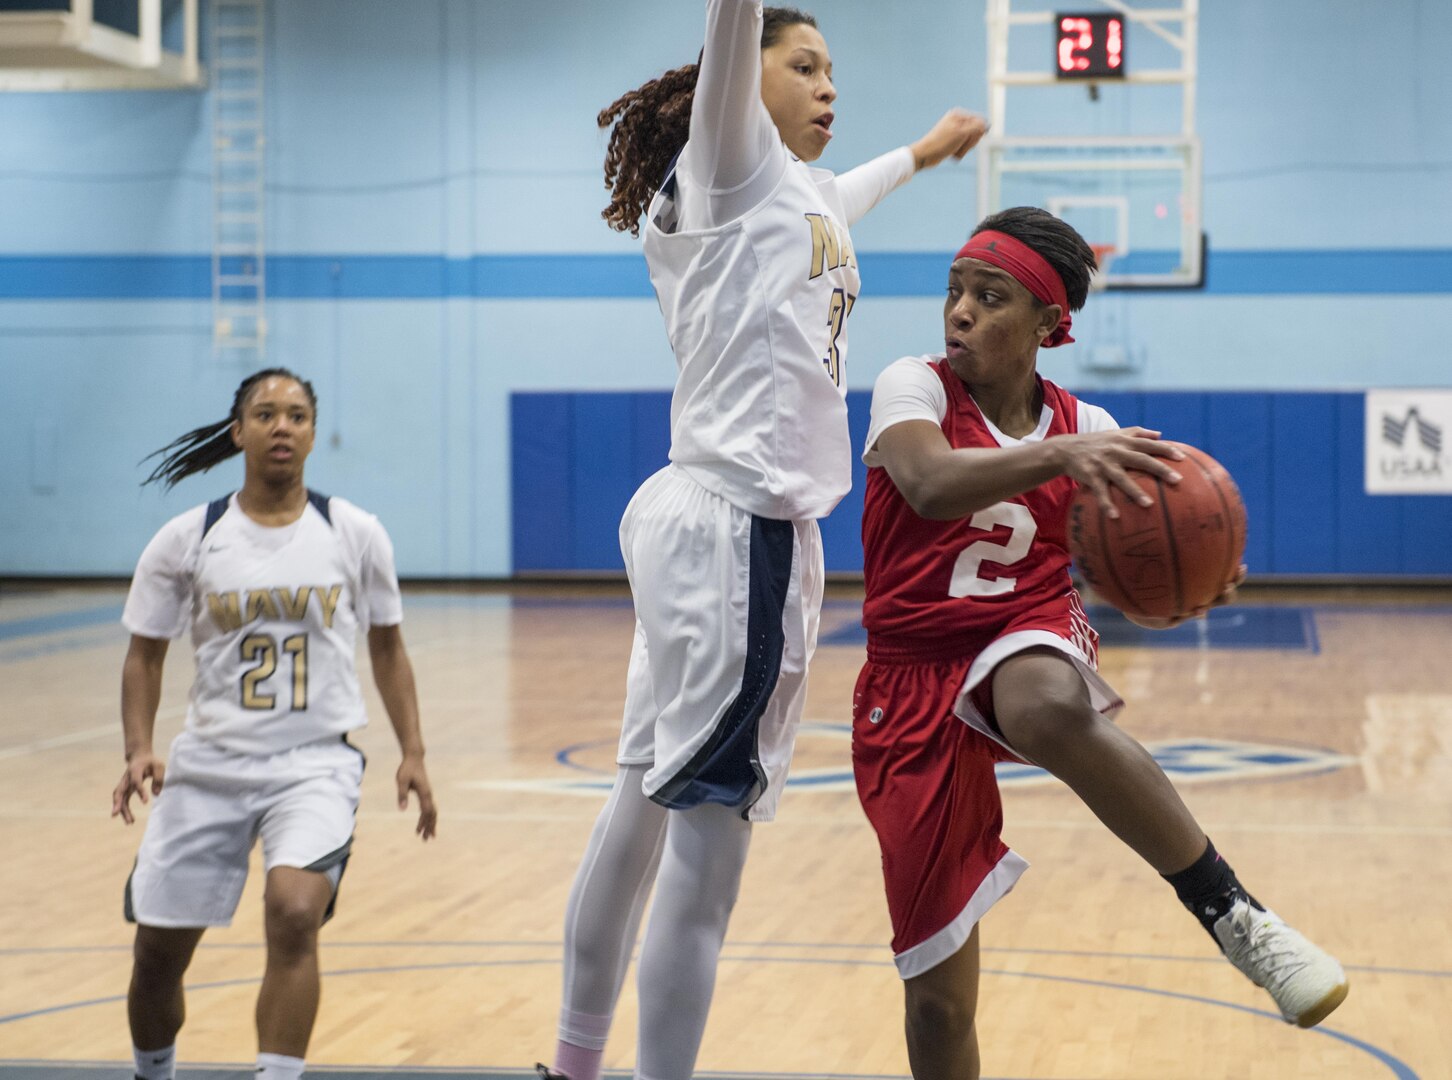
1029 269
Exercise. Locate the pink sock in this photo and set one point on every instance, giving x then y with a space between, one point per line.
581 1062
576 1062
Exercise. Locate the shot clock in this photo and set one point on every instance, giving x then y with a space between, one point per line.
1089 46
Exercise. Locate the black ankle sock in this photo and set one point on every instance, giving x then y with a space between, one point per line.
1207 888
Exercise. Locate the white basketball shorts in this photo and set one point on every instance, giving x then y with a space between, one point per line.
726 607
214 805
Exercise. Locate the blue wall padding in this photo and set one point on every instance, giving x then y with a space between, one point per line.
1303 472
1297 458
542 476
603 475
1238 435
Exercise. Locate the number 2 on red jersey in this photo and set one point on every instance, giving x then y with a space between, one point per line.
968 579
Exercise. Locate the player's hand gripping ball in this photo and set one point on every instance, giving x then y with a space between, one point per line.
1172 557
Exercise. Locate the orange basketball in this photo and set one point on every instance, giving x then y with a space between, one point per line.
1168 558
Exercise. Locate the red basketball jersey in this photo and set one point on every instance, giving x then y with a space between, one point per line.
948 580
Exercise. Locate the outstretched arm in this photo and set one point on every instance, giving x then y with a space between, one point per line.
862 188
140 696
393 675
953 136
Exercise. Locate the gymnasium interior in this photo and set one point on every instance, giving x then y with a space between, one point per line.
400 200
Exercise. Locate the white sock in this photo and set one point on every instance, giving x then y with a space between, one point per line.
278 1067
155 1064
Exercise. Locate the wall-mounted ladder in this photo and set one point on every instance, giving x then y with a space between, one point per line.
239 278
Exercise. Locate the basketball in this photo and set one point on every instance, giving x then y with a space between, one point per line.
1168 558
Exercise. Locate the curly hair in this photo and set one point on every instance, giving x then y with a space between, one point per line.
652 123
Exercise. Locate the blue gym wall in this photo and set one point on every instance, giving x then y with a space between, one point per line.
438 267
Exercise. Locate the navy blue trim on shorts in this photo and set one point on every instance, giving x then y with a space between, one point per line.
356 750
331 859
727 768
338 885
338 857
128 907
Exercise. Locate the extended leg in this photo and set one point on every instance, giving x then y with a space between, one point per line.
1043 708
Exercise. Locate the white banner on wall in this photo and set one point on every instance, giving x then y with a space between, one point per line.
1409 442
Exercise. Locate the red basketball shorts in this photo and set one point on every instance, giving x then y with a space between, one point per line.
926 782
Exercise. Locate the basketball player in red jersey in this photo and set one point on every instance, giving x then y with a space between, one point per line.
978 648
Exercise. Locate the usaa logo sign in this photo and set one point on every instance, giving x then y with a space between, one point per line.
1407 442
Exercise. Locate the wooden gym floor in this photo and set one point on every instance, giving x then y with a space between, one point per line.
1310 731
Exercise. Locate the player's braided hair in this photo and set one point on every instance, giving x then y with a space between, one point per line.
201 448
651 124
1056 240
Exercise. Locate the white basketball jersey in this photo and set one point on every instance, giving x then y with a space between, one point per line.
274 615
756 311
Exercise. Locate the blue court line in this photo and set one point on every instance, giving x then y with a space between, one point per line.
565 757
1313 636
1436 610
449 600
73 642
1385 271
528 602
60 620
555 946
1398 1068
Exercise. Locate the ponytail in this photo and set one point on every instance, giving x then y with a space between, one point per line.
211 444
651 125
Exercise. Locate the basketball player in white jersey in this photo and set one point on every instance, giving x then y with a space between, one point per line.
749 252
274 582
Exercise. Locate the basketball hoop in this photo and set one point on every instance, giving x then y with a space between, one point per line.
1103 257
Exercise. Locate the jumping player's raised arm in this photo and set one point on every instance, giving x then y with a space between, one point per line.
735 152
862 188
731 132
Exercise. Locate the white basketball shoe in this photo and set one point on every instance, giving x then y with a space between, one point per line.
1306 982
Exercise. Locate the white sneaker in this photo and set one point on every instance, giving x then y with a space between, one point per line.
1306 983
